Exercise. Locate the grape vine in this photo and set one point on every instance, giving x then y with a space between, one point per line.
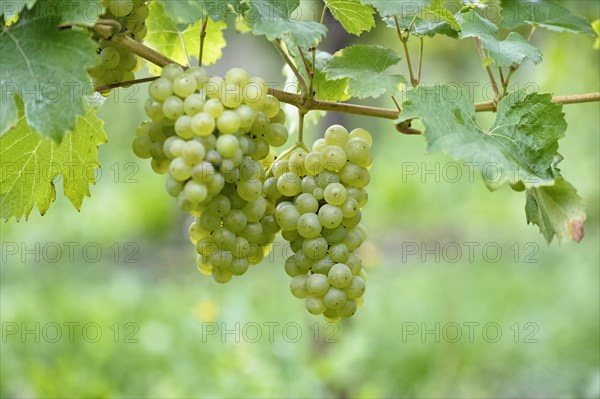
218 139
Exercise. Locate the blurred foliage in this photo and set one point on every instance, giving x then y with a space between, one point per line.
172 306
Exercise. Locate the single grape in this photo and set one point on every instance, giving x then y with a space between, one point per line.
109 57
160 89
315 305
184 85
173 107
141 147
363 134
180 170
183 127
193 152
308 225
330 216
336 135
203 124
335 194
171 72
317 284
289 184
335 298
314 248
195 192
193 104
237 76
298 286
229 122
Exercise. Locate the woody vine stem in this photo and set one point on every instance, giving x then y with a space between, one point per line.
302 102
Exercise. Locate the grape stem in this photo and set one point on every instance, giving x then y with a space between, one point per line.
306 104
202 36
487 68
288 61
404 41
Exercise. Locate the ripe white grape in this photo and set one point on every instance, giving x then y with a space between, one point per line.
180 170
184 85
193 104
160 89
315 305
335 194
340 275
193 152
109 57
309 225
203 124
183 127
229 122
173 107
318 284
335 298
321 218
227 145
298 287
336 135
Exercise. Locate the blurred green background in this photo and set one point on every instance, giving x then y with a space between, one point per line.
513 318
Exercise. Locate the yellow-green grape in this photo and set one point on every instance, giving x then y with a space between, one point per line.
321 219
216 147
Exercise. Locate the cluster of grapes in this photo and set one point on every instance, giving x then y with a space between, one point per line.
213 137
116 65
319 197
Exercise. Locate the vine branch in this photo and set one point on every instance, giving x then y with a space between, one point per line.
490 106
297 100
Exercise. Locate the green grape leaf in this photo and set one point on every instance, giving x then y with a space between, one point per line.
443 14
190 11
549 14
354 16
596 27
36 64
274 19
363 66
510 51
165 36
521 145
324 88
32 163
398 8
557 210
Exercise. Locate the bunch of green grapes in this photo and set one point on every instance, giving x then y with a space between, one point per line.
319 197
214 138
117 65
